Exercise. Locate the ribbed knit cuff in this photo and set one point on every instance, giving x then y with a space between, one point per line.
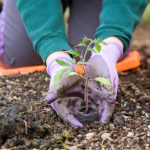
52 44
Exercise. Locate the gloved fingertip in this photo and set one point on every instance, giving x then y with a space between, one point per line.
104 118
76 123
50 98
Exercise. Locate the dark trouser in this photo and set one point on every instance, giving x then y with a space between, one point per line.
17 49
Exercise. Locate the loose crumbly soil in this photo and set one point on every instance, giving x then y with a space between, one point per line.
23 126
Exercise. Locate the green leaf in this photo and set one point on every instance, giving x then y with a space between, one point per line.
62 63
91 49
35 104
83 63
104 43
63 144
103 80
97 41
71 60
85 39
76 53
69 68
98 47
59 75
71 74
80 44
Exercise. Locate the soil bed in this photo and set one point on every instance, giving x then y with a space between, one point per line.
24 126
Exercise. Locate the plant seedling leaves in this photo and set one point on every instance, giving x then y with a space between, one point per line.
97 41
104 43
81 44
59 75
85 39
98 47
71 74
83 63
62 63
71 60
91 49
35 104
69 68
76 53
63 144
103 80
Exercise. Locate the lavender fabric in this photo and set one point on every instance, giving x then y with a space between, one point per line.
2 27
104 65
66 95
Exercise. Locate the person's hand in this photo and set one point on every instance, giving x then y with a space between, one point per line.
104 63
66 95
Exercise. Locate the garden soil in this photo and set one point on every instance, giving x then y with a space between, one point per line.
27 122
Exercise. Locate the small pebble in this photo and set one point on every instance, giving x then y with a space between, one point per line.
76 128
138 107
15 97
90 136
79 135
9 86
124 127
111 126
148 134
143 112
133 100
66 134
148 126
130 134
125 103
46 79
30 79
92 144
104 136
103 146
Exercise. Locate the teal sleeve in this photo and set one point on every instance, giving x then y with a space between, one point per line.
44 23
119 18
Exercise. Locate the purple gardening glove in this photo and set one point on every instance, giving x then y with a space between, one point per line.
66 95
104 63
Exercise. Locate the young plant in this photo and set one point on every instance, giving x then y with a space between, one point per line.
81 64
63 144
34 105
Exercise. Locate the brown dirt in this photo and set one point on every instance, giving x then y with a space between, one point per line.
24 127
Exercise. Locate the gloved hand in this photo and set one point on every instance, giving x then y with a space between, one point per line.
66 95
104 66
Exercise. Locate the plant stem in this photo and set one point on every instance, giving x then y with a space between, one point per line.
87 50
86 92
87 80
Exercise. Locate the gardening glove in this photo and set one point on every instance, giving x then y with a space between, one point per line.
66 95
104 63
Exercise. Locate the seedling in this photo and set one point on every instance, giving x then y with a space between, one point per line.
63 144
34 105
81 64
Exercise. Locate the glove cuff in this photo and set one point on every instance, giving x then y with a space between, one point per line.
52 65
112 51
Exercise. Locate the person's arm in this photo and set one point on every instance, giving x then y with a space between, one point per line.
44 23
119 18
